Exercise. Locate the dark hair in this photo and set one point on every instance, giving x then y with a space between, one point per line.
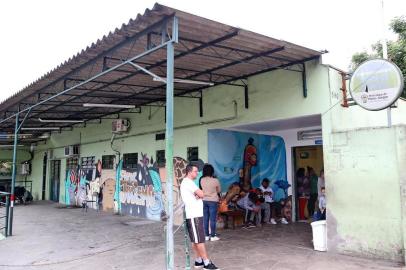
265 180
208 170
300 172
189 167
253 196
323 188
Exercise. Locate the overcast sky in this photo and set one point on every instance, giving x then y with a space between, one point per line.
36 36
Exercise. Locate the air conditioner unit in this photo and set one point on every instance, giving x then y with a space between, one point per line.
309 134
71 150
120 125
25 168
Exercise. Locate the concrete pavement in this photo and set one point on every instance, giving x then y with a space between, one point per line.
48 236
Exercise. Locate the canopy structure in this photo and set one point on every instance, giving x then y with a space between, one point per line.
126 67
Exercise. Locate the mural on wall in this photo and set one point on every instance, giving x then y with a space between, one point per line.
6 167
247 158
106 189
249 161
83 183
143 189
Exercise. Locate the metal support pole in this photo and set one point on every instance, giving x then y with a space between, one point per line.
169 155
304 80
187 250
385 56
201 106
7 214
13 179
246 98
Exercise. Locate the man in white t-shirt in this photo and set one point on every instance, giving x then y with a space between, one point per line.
270 204
192 198
266 206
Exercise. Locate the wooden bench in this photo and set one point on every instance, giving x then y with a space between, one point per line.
233 214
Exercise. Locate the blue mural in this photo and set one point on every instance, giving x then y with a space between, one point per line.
247 158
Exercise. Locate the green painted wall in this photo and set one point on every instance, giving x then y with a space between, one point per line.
362 178
22 155
265 94
363 193
361 170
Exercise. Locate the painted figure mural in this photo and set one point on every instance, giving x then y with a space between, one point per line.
246 158
249 161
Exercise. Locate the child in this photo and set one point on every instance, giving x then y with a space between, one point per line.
248 203
322 204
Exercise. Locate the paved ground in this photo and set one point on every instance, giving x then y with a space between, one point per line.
49 237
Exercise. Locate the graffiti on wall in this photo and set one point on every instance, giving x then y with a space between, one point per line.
143 189
89 183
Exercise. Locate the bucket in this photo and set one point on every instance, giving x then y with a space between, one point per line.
319 235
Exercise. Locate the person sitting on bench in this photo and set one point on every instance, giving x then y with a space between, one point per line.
248 203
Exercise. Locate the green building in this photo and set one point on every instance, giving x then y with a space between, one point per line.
251 105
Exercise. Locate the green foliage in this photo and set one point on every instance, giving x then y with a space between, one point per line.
396 49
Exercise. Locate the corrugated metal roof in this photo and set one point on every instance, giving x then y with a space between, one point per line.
207 51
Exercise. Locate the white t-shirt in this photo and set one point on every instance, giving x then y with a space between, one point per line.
193 205
268 198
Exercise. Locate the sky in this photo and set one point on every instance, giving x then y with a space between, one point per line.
37 36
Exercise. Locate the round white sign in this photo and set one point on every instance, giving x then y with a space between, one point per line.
376 84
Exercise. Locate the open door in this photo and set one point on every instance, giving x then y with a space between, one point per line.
304 157
55 180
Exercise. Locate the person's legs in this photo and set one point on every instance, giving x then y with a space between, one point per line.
259 216
213 218
323 215
201 250
252 216
267 209
274 211
206 216
311 204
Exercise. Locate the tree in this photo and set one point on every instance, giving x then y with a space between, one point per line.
396 49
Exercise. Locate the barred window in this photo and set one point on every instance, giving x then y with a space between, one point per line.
108 161
130 160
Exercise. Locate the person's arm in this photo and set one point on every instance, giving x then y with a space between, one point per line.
321 204
196 191
199 193
247 204
218 187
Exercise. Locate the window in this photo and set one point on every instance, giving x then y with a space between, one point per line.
193 153
160 136
108 161
88 162
72 163
130 160
160 157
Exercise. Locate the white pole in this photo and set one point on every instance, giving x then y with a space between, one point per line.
385 56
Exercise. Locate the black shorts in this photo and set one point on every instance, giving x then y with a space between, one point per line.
195 229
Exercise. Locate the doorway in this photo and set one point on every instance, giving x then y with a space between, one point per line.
305 157
44 175
55 180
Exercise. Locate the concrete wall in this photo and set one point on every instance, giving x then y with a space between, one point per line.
364 215
362 178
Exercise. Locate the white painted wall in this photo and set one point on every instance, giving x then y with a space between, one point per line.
290 138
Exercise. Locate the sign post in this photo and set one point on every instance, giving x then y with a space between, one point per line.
376 84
